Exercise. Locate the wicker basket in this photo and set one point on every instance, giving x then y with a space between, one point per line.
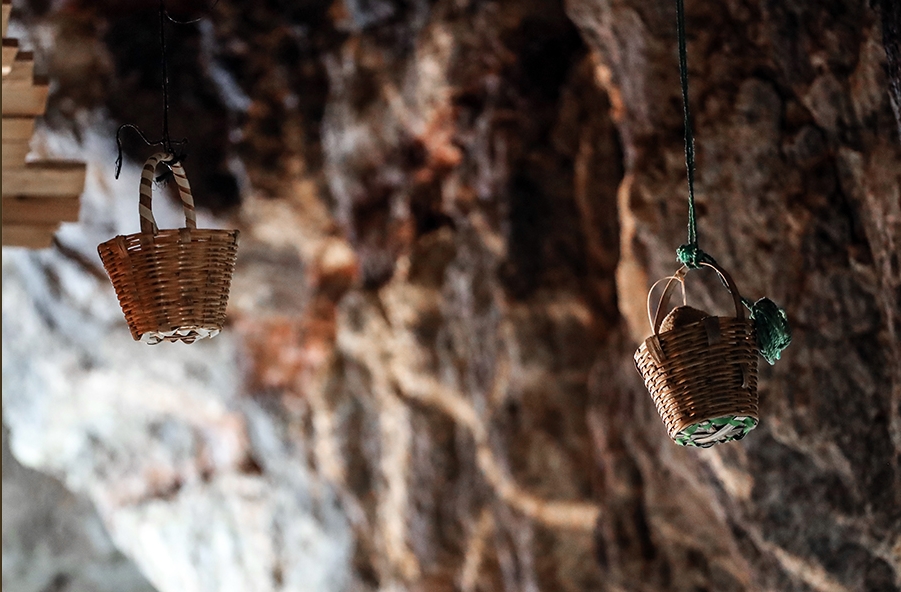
172 284
702 376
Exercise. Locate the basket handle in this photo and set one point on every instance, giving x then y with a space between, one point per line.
148 224
676 277
667 292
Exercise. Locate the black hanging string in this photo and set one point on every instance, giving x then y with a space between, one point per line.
686 111
176 149
167 141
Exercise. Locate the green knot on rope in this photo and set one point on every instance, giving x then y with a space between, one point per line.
691 256
773 331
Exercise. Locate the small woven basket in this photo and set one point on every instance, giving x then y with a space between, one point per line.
702 375
172 284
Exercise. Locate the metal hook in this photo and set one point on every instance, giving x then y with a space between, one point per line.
190 22
178 152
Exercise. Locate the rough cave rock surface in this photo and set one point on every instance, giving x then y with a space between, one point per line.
451 213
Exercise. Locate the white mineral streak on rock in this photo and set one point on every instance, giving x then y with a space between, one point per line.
399 364
54 540
237 533
156 437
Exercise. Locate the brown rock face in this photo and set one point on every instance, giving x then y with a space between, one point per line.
451 213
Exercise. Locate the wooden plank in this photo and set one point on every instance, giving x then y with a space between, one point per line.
14 154
10 49
22 72
24 100
18 129
44 178
7 8
40 210
30 236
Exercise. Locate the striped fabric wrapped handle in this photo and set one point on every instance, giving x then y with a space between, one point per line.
148 224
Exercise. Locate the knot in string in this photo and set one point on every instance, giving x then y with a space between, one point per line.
691 256
773 331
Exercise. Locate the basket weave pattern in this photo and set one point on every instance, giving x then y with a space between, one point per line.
696 381
703 373
172 285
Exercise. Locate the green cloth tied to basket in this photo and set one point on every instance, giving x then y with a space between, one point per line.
773 331
705 434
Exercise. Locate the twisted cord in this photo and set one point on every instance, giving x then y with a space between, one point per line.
686 112
689 254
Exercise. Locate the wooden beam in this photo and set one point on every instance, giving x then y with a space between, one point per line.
14 154
45 178
18 129
40 210
7 8
30 236
21 72
10 49
24 100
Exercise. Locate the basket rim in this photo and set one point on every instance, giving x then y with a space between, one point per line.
693 326
166 232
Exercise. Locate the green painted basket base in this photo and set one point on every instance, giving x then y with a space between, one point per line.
705 434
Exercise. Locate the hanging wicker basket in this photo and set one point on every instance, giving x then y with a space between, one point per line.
701 371
172 284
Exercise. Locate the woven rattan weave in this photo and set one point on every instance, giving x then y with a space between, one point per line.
172 284
702 375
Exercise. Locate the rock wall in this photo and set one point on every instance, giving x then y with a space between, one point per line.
451 213
54 540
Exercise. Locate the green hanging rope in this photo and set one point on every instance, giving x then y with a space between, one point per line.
770 321
690 254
